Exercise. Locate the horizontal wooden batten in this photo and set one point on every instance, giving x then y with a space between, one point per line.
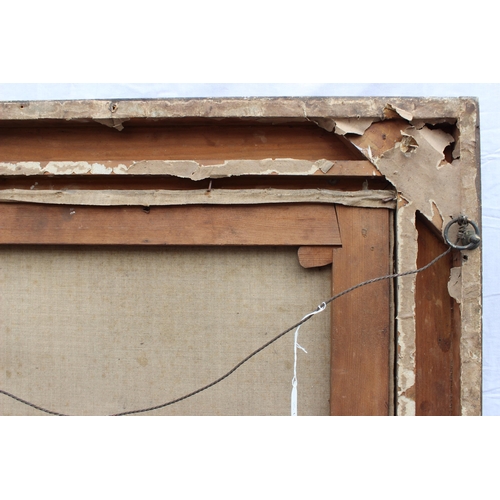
192 169
170 140
283 224
361 320
158 197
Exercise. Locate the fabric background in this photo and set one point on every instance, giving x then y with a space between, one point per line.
93 331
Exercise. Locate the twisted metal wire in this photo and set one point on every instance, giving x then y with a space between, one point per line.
32 405
267 344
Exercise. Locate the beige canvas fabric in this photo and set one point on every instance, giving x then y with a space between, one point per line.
97 331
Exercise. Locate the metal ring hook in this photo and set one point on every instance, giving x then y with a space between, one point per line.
469 239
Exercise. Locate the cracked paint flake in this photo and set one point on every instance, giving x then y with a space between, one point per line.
356 126
401 112
327 124
21 168
112 122
66 168
455 284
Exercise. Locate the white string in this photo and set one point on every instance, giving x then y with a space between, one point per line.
320 308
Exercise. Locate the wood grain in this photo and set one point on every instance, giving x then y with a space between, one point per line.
283 224
361 320
170 140
315 256
437 316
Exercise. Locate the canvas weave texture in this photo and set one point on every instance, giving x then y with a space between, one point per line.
96 331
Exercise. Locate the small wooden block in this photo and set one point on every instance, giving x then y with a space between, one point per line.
315 256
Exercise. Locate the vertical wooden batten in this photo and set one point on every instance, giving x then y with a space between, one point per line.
437 383
361 320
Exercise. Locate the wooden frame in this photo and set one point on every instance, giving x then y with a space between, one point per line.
367 153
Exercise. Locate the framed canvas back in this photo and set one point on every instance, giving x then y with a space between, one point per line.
147 247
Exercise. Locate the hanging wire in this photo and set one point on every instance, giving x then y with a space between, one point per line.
320 308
